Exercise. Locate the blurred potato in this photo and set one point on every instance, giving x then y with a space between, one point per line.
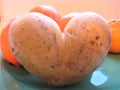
60 58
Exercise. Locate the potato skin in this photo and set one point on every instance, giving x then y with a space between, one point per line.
60 58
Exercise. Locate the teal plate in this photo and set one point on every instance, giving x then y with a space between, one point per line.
105 77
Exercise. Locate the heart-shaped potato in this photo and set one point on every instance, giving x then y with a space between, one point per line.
60 58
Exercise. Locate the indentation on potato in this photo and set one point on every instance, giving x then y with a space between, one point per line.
96 41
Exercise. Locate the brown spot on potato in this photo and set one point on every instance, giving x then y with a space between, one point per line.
82 47
43 27
101 44
56 79
70 32
47 57
12 49
97 37
57 63
113 21
38 35
52 66
84 27
92 42
22 28
39 20
70 64
54 37
36 53
16 53
39 46
44 42
33 64
86 57
82 69
30 48
16 44
49 48
81 50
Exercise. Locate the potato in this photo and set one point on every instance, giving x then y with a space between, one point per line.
60 58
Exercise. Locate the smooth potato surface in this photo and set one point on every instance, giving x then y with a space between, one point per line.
60 58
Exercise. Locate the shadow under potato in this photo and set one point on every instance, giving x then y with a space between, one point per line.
23 76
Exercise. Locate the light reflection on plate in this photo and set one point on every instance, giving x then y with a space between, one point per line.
105 77
98 78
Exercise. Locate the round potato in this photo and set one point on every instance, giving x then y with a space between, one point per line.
60 58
